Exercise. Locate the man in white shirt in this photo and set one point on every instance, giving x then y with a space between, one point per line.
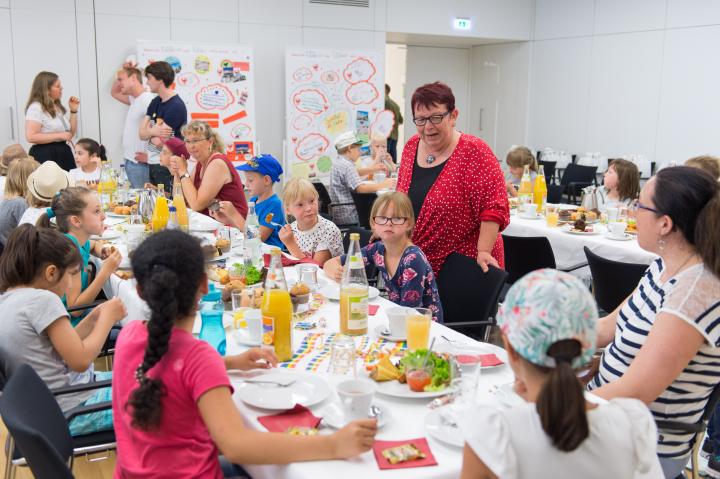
128 88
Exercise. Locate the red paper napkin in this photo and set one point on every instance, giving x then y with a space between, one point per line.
299 416
373 308
421 443
287 261
485 360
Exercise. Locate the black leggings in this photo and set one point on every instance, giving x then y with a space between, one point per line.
59 152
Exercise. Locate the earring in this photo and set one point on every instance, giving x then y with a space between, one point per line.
661 244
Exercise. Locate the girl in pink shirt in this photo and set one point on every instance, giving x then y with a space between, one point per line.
172 407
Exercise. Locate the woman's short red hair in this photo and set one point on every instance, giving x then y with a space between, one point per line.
431 94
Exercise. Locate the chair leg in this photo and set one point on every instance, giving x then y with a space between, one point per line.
9 467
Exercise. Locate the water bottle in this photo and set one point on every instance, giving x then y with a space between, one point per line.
211 315
252 244
172 223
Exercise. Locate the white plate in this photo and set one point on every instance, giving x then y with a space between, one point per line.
625 237
307 390
107 235
440 429
202 228
380 331
581 233
334 417
242 338
222 257
536 217
332 291
395 389
115 215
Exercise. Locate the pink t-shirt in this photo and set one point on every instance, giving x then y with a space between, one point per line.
181 446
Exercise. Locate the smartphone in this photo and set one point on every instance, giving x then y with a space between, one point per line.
214 206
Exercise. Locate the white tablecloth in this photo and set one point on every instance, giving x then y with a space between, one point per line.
568 248
407 415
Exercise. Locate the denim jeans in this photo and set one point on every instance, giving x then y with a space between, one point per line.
137 173
713 430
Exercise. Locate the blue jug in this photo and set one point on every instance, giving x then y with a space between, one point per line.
211 314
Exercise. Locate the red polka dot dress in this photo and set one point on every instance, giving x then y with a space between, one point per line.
469 190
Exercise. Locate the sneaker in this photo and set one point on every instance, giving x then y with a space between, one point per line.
708 448
713 467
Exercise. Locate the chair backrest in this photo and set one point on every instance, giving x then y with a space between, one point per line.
554 193
365 235
549 168
363 205
466 293
324 197
36 424
578 174
7 366
613 281
524 254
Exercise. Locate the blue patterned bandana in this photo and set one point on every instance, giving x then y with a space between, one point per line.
547 306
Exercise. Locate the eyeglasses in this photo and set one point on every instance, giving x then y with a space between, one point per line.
383 220
641 206
193 142
434 119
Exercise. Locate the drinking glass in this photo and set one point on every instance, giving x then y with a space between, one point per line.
238 311
417 326
342 354
307 273
552 215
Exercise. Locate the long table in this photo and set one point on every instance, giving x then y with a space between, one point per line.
407 415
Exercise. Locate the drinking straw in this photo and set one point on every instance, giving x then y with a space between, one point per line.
427 355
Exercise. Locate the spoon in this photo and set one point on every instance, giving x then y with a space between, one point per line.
375 412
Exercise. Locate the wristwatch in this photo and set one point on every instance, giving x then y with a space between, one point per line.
185 175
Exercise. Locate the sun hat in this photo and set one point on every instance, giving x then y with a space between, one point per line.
547 306
47 180
177 147
346 139
265 165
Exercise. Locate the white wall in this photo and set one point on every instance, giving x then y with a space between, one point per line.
626 77
396 78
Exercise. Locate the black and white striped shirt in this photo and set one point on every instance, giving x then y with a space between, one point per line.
693 295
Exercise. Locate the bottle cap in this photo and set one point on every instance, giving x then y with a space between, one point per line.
173 209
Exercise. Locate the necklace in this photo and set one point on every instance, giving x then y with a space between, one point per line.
692 255
430 159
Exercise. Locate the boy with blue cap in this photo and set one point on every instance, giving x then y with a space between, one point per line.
261 173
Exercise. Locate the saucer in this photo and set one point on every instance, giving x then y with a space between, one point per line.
625 237
334 417
382 332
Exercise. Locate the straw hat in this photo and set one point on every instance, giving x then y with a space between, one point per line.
45 182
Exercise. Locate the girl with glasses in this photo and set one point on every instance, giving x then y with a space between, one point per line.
406 272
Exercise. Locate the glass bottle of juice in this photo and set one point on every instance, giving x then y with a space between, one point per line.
161 214
525 192
107 185
277 310
180 206
354 291
540 190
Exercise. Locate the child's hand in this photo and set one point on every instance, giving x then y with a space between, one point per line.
355 438
389 183
286 235
112 262
379 166
333 269
112 310
255 358
510 187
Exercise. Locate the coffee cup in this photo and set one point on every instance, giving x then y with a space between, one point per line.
617 229
356 397
529 211
396 321
612 214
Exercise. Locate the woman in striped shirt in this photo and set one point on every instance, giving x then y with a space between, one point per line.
663 342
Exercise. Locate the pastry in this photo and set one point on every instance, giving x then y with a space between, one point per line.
223 245
403 453
299 289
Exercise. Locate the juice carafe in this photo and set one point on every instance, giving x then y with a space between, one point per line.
540 190
277 310
161 214
354 291
107 185
525 192
180 206
211 315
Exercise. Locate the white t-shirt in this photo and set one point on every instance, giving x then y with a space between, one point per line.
31 215
79 175
325 235
513 444
49 124
131 133
2 186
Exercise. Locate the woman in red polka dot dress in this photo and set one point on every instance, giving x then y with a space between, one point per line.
455 183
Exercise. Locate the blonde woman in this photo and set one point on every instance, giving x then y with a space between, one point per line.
215 177
308 234
47 126
407 274
14 203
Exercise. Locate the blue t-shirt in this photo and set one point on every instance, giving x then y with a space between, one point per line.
172 112
271 205
85 255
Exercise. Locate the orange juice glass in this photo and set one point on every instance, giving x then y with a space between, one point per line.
552 215
417 325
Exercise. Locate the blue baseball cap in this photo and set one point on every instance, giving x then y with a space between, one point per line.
265 165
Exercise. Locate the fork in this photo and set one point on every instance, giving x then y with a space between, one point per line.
279 383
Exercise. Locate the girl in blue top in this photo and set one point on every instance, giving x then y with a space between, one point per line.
79 216
406 272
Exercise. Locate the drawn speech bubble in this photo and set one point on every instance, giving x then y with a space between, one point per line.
383 123
310 100
311 146
361 93
214 97
359 70
302 122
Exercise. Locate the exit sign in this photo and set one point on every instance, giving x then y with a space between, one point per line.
463 24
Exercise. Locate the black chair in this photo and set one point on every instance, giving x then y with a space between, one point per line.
554 194
698 428
524 254
37 425
549 169
575 178
363 205
324 197
469 297
370 271
613 281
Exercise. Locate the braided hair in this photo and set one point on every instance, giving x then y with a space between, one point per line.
169 267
